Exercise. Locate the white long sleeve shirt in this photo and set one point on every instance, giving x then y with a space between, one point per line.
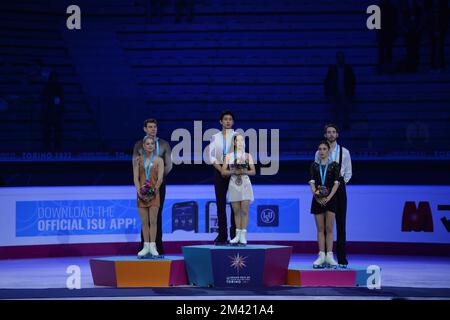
216 147
346 168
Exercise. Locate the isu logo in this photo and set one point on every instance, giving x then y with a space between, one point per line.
417 218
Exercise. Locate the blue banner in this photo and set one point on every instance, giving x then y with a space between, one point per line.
76 217
84 217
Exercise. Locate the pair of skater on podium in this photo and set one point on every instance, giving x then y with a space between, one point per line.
232 167
231 179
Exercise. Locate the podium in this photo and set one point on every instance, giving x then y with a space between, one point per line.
131 272
306 276
250 266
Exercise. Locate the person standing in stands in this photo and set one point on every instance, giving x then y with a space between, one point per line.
340 155
182 7
220 145
162 150
53 113
437 23
154 8
386 35
339 88
412 25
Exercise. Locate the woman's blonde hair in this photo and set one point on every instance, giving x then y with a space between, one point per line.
147 137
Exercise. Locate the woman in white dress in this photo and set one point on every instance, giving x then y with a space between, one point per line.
239 165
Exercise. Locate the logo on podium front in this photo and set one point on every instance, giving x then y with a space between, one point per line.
238 262
238 267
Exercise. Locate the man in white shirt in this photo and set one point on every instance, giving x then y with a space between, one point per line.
342 156
219 146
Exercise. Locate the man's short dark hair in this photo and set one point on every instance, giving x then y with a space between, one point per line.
226 113
330 125
150 121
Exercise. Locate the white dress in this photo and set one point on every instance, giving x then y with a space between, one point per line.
241 192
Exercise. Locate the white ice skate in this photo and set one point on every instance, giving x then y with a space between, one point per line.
320 261
145 251
236 239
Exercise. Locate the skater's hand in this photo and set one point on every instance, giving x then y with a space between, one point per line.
140 196
319 200
325 200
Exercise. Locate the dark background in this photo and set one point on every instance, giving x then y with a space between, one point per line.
265 60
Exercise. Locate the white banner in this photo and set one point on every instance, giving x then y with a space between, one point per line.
56 215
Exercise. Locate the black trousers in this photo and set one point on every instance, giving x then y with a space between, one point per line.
385 52
438 51
341 215
159 231
221 188
53 126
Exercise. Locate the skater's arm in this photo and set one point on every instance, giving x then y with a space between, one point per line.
160 163
212 154
312 184
136 174
167 154
251 164
224 169
347 165
335 185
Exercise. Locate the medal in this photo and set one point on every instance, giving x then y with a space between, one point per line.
323 177
238 180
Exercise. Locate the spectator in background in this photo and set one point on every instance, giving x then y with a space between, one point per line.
387 35
3 104
412 29
3 101
155 8
339 88
38 71
184 7
437 24
8 97
417 135
53 112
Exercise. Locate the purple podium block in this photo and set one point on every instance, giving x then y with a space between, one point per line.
252 266
306 276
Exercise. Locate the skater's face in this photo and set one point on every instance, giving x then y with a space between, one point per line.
323 151
331 135
240 142
149 145
227 121
151 129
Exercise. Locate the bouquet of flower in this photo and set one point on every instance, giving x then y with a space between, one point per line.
322 192
241 165
147 191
